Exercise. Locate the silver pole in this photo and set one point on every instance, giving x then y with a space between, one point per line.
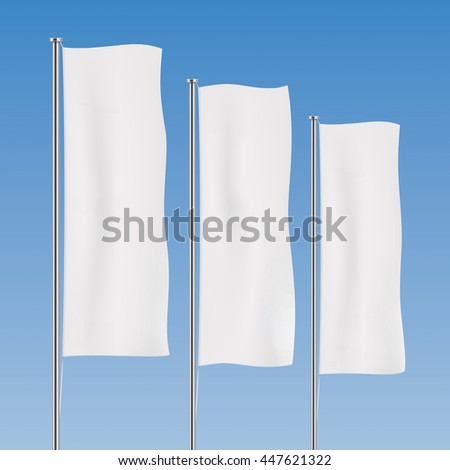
314 396
56 330
192 269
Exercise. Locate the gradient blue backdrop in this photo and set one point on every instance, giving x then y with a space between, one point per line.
344 60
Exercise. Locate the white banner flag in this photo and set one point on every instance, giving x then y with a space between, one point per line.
247 310
115 279
360 318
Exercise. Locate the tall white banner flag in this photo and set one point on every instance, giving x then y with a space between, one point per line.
115 279
360 316
247 310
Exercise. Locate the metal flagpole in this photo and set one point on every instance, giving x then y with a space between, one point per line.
314 376
56 329
192 269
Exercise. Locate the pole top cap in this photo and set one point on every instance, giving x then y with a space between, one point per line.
56 39
192 80
314 118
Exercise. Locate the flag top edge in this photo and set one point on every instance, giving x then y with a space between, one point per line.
360 123
236 85
113 46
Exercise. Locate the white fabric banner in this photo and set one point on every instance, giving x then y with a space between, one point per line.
360 317
247 310
115 292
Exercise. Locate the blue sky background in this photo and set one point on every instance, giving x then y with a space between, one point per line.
344 60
